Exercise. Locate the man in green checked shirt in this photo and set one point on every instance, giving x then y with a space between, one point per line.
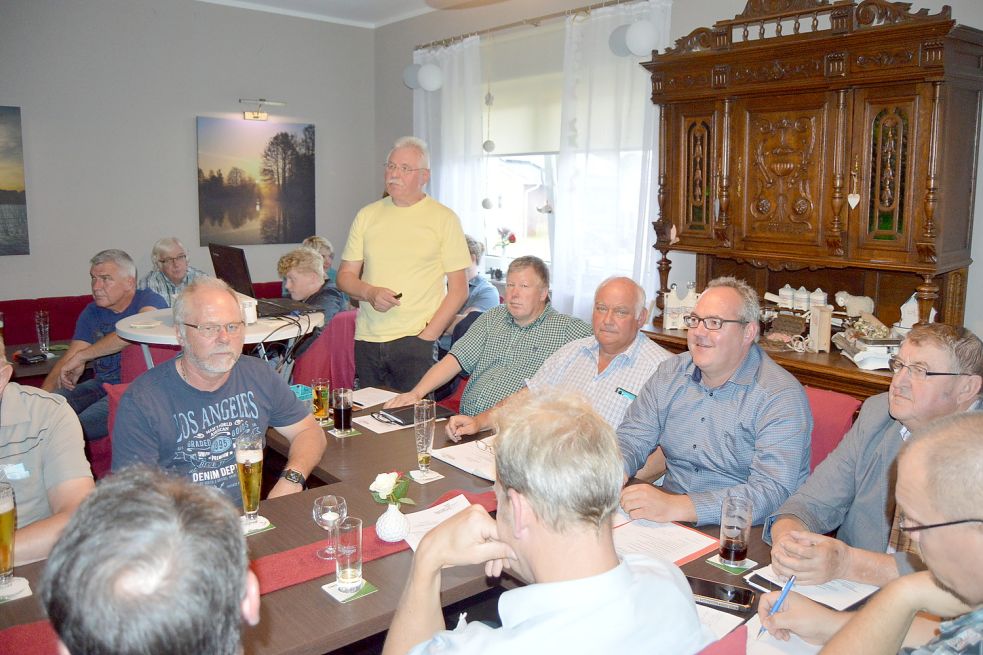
506 345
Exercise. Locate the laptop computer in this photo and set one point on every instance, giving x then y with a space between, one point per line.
230 265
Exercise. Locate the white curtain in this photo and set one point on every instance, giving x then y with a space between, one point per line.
606 177
449 120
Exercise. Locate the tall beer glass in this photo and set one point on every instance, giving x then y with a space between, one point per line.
321 391
8 522
249 462
424 420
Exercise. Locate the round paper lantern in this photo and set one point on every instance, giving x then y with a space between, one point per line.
640 38
488 146
430 77
617 41
410 76
486 203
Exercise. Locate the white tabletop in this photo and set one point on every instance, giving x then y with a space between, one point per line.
158 327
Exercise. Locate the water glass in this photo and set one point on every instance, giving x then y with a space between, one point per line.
41 327
328 512
735 529
349 556
424 422
249 464
8 523
321 399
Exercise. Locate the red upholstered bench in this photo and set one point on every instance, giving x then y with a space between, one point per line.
63 312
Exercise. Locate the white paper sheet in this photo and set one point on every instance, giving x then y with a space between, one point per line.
768 645
426 520
375 425
720 623
838 594
370 396
470 458
665 541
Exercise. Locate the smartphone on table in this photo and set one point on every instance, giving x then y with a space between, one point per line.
721 595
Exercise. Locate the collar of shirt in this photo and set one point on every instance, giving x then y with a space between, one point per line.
548 311
630 354
745 373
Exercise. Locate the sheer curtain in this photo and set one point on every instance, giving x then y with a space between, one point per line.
604 206
449 120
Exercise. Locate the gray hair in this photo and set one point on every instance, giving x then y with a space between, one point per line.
535 263
475 248
950 452
183 305
164 246
304 259
555 450
639 291
318 243
416 143
964 348
750 305
148 564
115 256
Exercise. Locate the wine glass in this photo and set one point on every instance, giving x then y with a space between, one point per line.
328 512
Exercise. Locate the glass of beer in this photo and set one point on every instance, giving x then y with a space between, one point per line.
735 529
348 565
424 420
249 462
8 523
329 511
321 398
341 408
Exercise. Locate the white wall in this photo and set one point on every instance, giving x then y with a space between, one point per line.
109 91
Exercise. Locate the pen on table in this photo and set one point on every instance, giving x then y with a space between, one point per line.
778 603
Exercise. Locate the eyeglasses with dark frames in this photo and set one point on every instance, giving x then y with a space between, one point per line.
711 322
931 526
164 261
382 418
916 371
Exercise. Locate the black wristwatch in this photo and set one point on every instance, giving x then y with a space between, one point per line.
294 476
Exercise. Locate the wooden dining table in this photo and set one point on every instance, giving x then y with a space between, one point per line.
303 619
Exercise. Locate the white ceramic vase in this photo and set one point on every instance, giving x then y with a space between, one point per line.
392 526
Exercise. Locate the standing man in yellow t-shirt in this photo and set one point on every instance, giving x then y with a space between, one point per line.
400 251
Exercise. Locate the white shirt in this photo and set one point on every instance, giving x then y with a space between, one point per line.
642 605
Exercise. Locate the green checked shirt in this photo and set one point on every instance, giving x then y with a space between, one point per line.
500 355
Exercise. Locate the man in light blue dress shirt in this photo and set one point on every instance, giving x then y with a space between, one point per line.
729 419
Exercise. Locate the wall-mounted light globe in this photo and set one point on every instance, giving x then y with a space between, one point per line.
640 38
617 41
486 203
411 76
488 146
430 77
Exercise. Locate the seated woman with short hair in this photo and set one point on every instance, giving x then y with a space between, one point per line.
303 272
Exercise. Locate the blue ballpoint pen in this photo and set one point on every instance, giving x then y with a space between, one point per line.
778 604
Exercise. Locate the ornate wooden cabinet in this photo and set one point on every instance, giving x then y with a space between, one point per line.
828 144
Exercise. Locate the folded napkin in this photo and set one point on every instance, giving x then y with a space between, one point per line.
38 638
301 564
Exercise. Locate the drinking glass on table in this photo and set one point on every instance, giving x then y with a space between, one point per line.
348 565
8 523
249 463
41 327
329 512
735 529
341 408
321 399
424 420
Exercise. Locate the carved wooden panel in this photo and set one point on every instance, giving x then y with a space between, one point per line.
693 194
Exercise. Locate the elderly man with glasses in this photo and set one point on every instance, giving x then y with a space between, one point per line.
937 373
183 415
940 491
172 272
729 419
405 260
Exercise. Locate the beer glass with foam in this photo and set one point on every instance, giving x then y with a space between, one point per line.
249 463
8 523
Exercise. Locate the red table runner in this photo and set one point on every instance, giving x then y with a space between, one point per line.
38 638
301 564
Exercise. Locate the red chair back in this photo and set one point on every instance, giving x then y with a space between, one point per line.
733 643
832 416
133 363
332 355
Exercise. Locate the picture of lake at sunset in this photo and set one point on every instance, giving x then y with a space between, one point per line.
13 196
255 182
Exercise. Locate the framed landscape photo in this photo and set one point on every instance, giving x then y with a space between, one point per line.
13 193
255 182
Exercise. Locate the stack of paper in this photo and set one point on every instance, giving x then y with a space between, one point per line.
470 457
666 541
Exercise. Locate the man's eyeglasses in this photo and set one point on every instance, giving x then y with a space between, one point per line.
619 312
711 322
402 168
212 330
919 528
484 446
916 371
383 418
170 260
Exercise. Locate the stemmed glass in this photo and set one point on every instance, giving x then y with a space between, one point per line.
328 512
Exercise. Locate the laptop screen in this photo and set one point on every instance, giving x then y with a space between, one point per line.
230 265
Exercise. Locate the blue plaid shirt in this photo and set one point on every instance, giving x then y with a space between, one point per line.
748 437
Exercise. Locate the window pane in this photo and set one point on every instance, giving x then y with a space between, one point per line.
520 189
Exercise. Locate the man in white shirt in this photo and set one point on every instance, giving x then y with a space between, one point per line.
559 480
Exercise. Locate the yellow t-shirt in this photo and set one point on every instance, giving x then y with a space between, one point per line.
408 250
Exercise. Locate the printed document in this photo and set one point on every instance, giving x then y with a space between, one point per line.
838 594
470 457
